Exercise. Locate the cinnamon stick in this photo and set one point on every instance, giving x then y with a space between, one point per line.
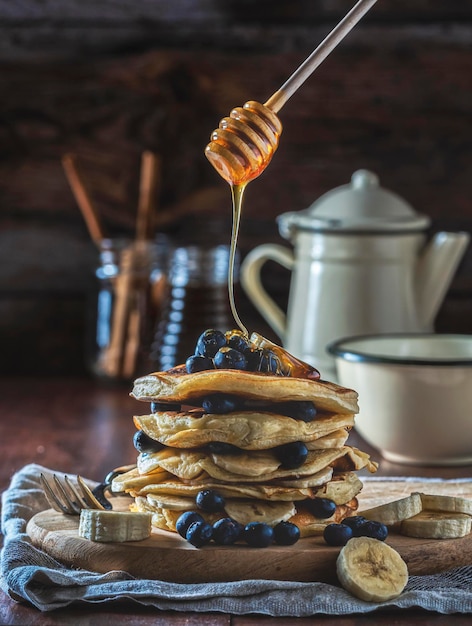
149 181
82 198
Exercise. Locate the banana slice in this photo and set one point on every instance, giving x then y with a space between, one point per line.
437 525
106 526
396 511
452 504
371 570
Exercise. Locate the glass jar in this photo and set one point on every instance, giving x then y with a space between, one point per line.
196 299
131 283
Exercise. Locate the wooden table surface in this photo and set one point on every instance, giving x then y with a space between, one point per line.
81 427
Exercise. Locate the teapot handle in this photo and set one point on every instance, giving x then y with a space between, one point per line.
251 282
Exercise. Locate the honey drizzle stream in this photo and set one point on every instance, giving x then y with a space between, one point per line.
237 192
217 153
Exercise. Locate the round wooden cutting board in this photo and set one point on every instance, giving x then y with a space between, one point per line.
166 556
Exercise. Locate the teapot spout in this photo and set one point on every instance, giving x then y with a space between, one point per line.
436 268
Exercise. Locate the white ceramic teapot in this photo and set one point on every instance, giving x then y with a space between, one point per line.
360 265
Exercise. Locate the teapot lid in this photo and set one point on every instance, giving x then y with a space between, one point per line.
361 206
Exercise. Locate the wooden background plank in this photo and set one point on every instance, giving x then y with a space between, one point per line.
108 80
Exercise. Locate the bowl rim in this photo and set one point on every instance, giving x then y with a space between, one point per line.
336 349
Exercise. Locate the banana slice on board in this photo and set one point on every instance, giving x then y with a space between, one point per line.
371 570
437 525
396 511
106 526
452 504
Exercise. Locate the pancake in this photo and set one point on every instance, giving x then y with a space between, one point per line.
336 439
244 511
177 386
246 429
310 525
164 483
340 488
249 467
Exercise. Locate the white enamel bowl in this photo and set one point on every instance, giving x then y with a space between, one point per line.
415 394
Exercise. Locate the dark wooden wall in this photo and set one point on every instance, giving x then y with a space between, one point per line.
107 80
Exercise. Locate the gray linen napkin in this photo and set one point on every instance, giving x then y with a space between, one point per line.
28 574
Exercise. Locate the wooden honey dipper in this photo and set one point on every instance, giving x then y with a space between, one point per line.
244 143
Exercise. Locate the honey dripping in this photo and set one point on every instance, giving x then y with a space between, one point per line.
244 143
240 150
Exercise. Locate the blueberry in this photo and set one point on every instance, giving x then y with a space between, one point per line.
210 501
355 522
164 406
144 443
209 342
262 361
376 530
253 359
230 359
199 533
337 534
286 533
237 340
258 534
303 410
226 531
269 362
321 507
196 363
184 521
220 403
219 447
292 455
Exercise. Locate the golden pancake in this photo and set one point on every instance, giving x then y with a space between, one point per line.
172 503
310 525
249 467
177 386
340 487
246 430
257 491
187 464
166 483
336 439
245 511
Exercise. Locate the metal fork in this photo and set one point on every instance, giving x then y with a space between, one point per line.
68 498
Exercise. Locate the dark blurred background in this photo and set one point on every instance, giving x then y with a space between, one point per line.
107 80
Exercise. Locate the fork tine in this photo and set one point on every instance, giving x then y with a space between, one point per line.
88 496
52 498
76 499
74 506
67 497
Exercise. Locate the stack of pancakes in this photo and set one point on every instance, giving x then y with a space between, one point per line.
236 453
